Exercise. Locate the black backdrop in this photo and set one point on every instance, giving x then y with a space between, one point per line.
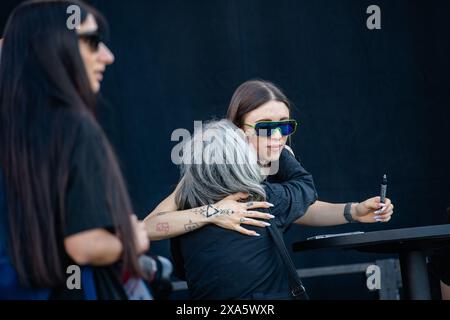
368 102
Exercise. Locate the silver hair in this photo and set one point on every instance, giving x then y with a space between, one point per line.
216 162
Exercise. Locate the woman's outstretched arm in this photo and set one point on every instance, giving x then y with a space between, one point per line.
330 214
322 213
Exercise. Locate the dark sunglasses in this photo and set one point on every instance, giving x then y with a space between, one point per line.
267 128
92 39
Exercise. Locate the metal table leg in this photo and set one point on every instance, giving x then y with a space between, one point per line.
415 275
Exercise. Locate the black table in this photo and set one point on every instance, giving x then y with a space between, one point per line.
411 244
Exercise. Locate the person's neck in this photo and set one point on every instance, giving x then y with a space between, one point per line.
264 163
265 168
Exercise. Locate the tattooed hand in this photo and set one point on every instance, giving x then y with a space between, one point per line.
229 213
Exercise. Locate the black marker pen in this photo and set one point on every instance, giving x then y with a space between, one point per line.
383 189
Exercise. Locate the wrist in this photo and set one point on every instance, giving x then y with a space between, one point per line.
354 211
350 212
204 218
210 213
205 213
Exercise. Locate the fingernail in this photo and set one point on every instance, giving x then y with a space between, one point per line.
378 212
267 224
257 234
271 216
270 204
378 219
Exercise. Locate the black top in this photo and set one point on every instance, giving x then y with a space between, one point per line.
224 264
87 207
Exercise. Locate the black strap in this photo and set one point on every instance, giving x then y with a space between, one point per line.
295 283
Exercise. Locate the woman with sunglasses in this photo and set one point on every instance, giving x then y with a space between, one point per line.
263 112
65 201
217 263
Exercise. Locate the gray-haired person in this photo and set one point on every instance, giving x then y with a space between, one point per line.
217 263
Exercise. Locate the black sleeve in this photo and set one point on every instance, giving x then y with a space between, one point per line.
86 202
291 190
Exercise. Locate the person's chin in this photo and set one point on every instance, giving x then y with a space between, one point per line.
95 86
273 156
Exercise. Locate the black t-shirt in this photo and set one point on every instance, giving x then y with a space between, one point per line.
223 264
87 206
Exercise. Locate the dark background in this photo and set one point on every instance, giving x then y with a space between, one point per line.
368 102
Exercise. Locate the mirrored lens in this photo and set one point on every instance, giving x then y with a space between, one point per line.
266 129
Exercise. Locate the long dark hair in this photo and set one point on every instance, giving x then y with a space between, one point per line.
251 95
45 96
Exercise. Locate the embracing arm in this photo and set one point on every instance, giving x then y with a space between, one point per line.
165 222
291 189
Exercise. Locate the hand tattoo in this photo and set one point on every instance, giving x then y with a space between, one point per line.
210 211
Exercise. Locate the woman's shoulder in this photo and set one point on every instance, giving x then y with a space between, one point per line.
88 136
86 129
87 125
